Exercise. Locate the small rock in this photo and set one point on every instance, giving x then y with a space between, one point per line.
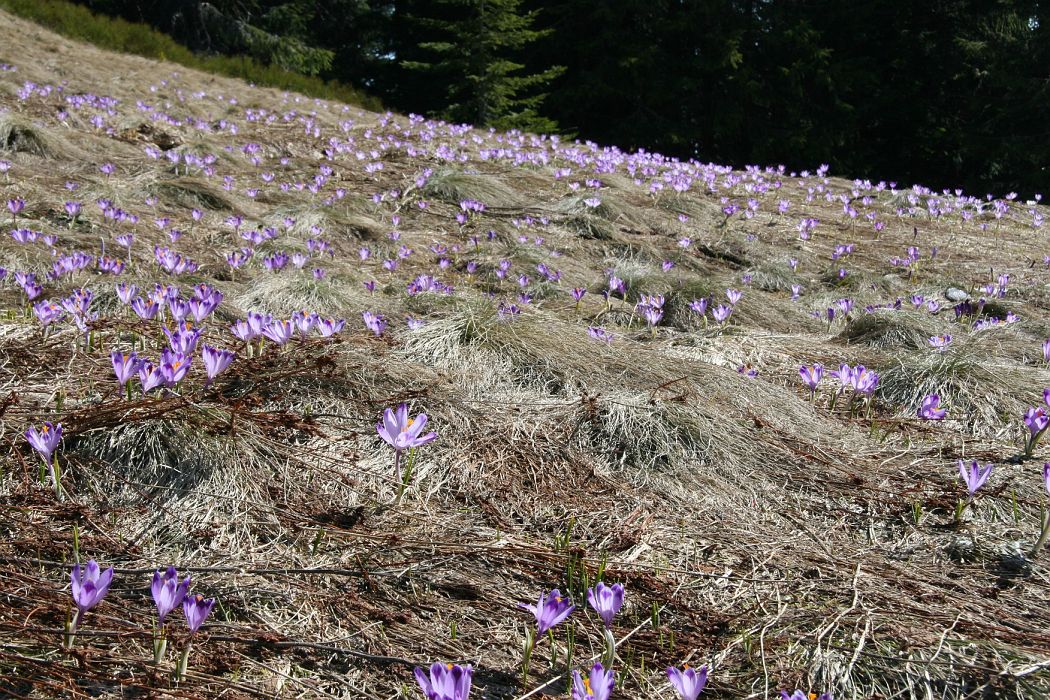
956 294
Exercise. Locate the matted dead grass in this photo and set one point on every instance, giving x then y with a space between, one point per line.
788 542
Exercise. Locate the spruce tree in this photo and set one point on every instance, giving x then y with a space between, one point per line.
474 47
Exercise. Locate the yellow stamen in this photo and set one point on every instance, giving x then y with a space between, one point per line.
449 666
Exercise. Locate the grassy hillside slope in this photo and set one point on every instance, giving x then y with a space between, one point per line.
788 541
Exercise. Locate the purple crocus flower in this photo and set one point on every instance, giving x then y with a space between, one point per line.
196 608
688 682
551 609
168 593
652 314
47 312
150 376
1046 476
144 309
940 342
863 380
328 327
184 338
174 366
278 331
216 360
45 441
126 291
577 293
599 333
124 365
811 376
243 331
597 686
178 308
722 312
606 601
931 410
1036 420
304 321
974 475
89 586
799 695
402 432
16 205
446 681
374 322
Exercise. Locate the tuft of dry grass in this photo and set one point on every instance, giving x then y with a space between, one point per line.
454 186
890 330
288 291
20 135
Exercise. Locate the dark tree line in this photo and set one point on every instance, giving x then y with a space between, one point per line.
943 92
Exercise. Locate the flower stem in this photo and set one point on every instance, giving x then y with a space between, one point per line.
160 645
610 648
530 644
1043 535
405 479
71 629
56 476
184 660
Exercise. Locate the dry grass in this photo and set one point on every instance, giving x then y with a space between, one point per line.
788 543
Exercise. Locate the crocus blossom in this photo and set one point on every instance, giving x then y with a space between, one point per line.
1036 420
167 592
89 585
974 475
598 685
446 681
402 432
550 610
811 376
278 331
606 601
196 608
45 441
216 360
688 682
931 410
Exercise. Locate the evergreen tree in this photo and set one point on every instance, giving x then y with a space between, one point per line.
472 47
